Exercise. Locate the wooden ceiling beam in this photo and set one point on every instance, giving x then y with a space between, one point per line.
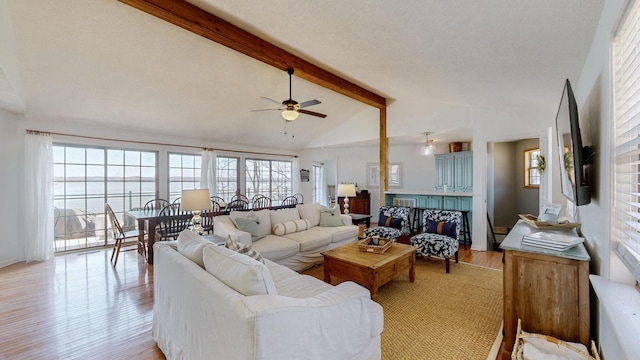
198 21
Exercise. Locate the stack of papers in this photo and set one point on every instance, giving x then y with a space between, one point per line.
552 241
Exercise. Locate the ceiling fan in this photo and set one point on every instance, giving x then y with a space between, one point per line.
292 108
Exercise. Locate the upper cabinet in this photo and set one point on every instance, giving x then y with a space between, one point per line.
455 170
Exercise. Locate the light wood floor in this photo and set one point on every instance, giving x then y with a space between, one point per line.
78 306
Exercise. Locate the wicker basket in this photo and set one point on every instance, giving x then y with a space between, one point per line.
543 344
367 245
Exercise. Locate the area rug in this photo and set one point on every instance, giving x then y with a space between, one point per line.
439 316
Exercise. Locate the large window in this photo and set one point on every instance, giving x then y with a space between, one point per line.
531 168
184 174
272 178
85 178
625 219
227 177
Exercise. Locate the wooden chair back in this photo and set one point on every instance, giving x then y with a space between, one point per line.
238 205
156 204
208 215
290 201
170 228
260 202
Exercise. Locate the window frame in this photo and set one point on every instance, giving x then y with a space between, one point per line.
273 193
530 167
184 185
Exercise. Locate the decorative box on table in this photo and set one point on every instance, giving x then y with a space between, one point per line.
374 245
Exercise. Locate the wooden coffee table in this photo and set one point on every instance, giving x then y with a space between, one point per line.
368 269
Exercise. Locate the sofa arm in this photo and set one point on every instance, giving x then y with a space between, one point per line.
336 324
346 219
224 227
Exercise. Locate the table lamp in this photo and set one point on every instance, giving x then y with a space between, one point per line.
346 190
195 201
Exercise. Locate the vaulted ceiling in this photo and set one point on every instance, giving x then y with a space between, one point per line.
104 62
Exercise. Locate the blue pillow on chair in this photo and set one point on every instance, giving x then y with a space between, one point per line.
390 222
442 227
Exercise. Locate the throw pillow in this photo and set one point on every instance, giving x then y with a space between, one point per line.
190 245
244 275
310 212
330 217
251 224
388 221
292 226
243 249
442 227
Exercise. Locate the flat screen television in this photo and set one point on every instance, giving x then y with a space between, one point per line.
572 155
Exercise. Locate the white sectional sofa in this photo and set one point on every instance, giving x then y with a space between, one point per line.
211 302
294 237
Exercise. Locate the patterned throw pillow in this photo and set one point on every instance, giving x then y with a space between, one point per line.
442 227
389 221
330 217
243 249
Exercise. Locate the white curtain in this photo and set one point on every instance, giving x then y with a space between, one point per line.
208 171
38 197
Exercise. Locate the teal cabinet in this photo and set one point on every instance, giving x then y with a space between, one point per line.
455 170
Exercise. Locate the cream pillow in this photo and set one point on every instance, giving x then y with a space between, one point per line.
239 272
280 216
310 212
190 245
243 249
292 226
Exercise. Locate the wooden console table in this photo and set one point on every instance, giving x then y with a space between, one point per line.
548 290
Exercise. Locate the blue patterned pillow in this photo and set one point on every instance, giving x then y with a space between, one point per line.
390 222
442 227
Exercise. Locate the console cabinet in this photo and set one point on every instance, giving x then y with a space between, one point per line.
548 290
455 170
360 204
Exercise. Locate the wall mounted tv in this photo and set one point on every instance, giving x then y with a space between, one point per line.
572 155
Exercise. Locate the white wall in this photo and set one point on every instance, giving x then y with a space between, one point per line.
11 155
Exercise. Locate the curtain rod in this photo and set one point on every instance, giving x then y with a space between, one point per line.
37 132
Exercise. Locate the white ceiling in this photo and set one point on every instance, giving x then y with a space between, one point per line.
101 61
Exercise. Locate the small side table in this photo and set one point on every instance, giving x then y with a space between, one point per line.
361 218
218 240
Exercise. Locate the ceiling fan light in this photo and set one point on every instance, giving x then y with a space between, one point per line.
290 115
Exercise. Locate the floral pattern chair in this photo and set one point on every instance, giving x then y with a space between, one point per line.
396 220
440 235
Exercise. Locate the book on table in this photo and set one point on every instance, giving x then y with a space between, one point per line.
552 241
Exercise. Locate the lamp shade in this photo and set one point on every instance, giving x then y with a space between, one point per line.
195 200
346 190
290 115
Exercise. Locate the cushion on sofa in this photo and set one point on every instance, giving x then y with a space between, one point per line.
263 215
280 216
310 240
276 248
190 245
291 226
340 233
243 249
442 227
310 212
330 217
251 224
241 273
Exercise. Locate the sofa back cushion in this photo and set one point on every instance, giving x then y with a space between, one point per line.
310 212
280 216
190 245
239 272
292 226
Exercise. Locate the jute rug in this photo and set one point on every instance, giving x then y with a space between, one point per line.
439 316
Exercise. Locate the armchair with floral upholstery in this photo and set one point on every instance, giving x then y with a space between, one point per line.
393 221
440 234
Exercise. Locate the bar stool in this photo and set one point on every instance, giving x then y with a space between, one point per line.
417 215
465 232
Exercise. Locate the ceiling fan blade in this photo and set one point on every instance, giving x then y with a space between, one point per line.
269 99
266 109
309 103
302 111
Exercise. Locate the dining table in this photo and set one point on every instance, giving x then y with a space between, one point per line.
152 218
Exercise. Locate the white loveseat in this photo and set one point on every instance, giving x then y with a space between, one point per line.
289 241
240 308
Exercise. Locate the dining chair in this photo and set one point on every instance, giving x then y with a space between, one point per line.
119 236
208 215
260 202
172 227
156 204
177 200
290 201
238 205
299 197
222 202
239 197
